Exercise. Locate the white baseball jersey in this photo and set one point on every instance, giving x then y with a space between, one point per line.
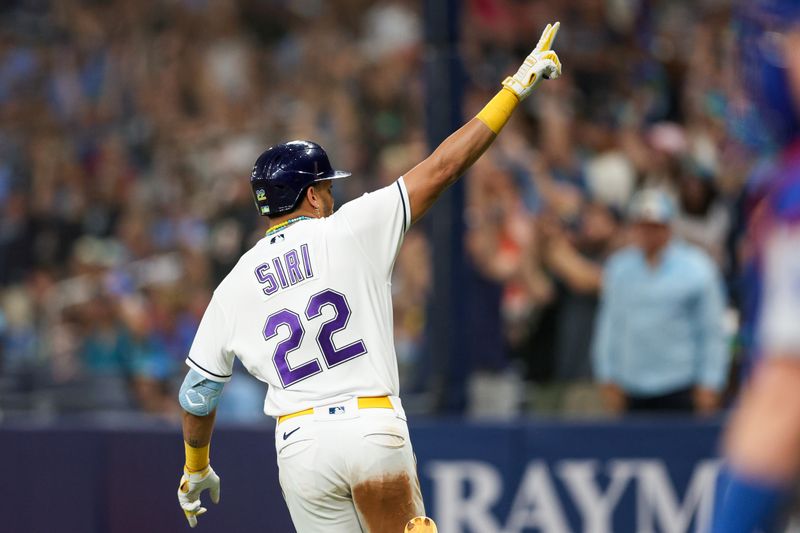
308 309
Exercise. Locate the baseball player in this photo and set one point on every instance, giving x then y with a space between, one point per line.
308 310
762 443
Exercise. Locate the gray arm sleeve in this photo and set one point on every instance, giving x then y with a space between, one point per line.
199 395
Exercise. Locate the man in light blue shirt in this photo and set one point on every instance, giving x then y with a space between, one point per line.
659 342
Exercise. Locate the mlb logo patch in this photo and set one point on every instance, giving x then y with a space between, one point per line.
338 410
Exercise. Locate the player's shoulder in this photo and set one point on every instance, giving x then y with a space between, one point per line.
784 200
378 198
234 281
783 176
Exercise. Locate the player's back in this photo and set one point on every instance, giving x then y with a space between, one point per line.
308 309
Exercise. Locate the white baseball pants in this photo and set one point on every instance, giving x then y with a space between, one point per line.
348 470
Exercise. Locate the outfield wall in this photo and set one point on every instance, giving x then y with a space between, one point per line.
642 476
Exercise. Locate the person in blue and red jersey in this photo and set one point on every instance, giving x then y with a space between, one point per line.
762 440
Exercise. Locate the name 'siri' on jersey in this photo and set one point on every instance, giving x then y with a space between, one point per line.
286 270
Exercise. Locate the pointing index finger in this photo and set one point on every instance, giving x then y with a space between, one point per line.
548 36
543 38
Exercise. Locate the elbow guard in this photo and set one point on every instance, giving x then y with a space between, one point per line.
199 395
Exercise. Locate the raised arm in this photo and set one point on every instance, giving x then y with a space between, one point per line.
459 151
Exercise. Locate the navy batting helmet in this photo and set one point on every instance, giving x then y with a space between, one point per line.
762 23
282 172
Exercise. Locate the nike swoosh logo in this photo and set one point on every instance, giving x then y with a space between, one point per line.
287 435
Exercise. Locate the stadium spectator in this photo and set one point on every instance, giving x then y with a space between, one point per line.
703 219
574 258
659 343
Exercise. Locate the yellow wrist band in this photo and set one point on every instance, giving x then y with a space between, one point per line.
498 110
197 459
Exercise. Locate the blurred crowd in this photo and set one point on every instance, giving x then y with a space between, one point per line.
649 101
128 129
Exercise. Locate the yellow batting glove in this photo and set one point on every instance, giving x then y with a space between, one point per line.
541 63
192 484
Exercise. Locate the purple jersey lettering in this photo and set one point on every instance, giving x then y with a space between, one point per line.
290 269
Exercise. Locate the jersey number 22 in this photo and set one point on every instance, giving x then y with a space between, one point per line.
330 353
